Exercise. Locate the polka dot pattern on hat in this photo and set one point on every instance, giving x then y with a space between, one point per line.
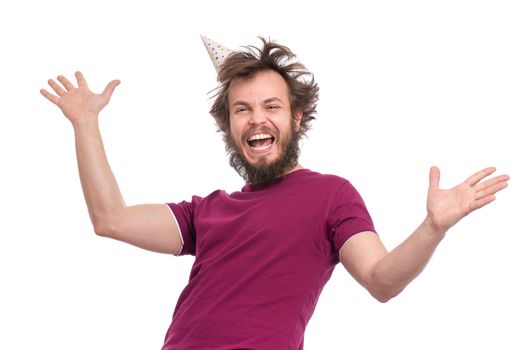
216 51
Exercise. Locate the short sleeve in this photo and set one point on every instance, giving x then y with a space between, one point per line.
348 216
184 215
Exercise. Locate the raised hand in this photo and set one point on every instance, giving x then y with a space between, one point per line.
447 207
78 102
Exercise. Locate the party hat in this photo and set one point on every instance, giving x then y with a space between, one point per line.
217 52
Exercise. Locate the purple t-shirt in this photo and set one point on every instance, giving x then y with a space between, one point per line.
262 257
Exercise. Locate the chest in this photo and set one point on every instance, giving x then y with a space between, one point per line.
262 223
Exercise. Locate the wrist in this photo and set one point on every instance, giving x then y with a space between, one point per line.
432 230
86 119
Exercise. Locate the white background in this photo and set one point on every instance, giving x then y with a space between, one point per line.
404 85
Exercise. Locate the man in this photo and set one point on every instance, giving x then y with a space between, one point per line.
262 254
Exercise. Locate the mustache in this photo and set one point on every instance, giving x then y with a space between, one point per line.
265 173
258 130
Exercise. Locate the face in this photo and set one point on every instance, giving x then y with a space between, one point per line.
263 134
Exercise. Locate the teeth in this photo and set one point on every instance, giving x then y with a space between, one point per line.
262 147
259 137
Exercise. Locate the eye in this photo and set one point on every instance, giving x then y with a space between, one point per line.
240 109
273 107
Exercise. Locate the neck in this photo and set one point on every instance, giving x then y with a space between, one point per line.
293 168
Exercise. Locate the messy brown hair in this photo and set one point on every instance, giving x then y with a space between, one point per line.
243 65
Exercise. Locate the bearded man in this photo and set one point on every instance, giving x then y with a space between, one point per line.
264 253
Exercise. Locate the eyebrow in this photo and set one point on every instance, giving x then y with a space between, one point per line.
267 100
272 99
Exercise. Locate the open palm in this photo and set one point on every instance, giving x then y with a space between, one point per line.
78 102
447 207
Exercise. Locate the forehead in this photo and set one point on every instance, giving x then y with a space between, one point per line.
260 87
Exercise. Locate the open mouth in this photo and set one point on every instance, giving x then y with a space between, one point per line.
260 142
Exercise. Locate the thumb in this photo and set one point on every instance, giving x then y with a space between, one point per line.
434 178
108 91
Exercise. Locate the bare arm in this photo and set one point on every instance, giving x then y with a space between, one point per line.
385 274
149 226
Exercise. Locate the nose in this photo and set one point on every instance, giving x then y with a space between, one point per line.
257 117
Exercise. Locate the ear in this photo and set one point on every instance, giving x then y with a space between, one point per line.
297 120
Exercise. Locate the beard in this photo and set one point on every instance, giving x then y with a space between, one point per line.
264 172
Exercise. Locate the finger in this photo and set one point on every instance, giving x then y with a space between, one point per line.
483 185
434 178
475 178
58 89
491 190
110 88
481 202
49 96
67 84
80 79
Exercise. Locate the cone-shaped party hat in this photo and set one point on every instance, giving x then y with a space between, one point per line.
217 52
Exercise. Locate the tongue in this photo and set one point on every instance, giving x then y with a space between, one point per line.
260 143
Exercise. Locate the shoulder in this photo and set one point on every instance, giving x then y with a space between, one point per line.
337 189
335 182
215 195
197 200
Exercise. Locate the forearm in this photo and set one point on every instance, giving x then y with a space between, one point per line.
101 192
400 266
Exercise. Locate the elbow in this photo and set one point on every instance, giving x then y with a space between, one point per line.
106 223
383 300
380 297
383 296
381 288
103 230
104 227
